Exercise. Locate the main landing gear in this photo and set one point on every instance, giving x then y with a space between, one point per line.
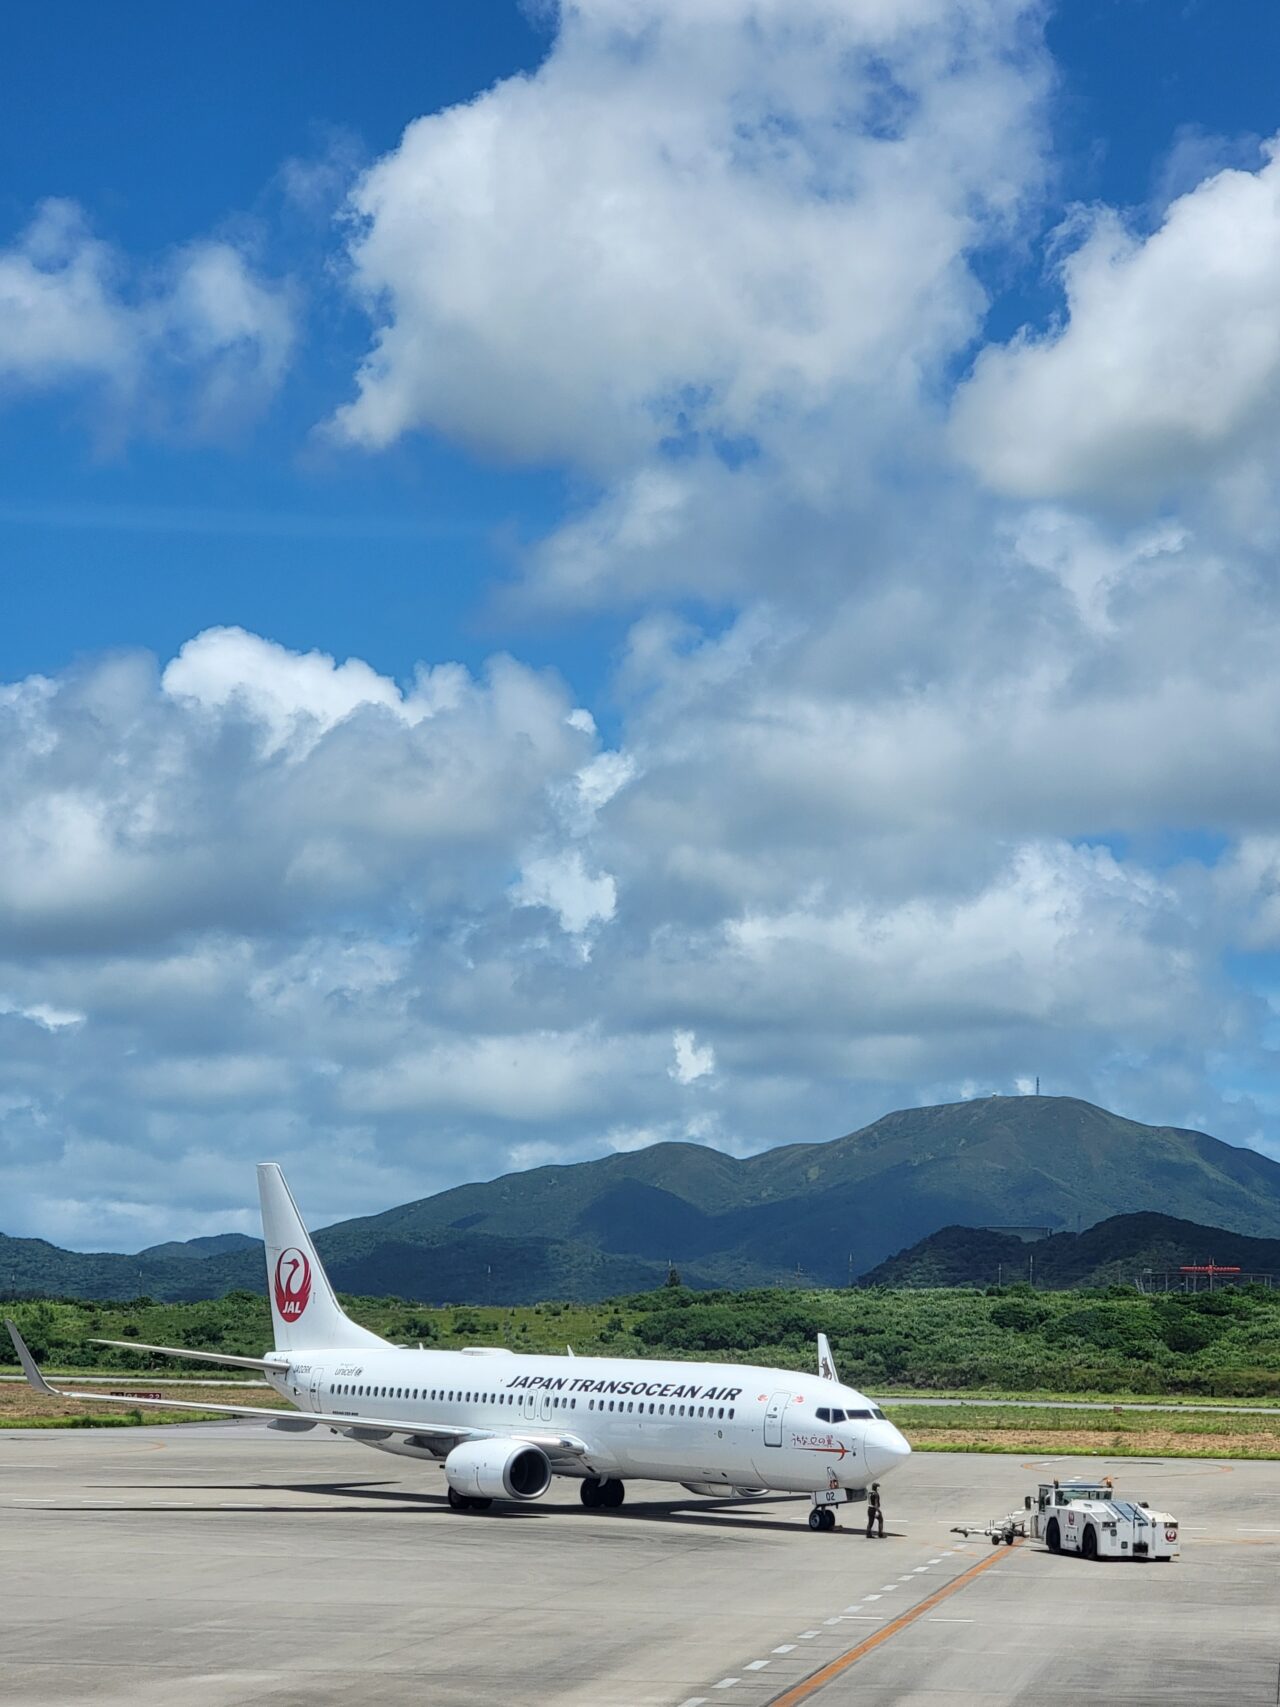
822 1517
466 1502
608 1492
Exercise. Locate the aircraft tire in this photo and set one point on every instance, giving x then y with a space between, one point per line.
612 1493
589 1492
815 1519
457 1501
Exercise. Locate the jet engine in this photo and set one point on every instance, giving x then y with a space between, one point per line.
498 1470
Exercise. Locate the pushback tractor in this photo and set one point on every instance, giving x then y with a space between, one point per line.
1087 1518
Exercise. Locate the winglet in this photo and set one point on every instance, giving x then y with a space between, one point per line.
826 1363
26 1360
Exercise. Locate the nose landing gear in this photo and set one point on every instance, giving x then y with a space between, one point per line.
822 1517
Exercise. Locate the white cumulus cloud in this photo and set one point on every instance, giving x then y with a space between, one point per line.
1166 362
197 340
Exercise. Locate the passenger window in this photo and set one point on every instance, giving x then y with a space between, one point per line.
731 1414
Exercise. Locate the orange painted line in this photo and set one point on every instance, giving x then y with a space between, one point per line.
820 1679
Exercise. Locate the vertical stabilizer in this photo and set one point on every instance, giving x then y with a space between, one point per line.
304 1312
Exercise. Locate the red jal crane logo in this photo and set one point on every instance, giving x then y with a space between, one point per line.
293 1284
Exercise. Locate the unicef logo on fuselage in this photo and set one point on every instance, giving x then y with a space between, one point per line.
292 1284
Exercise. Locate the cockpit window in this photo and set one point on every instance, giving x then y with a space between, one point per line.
823 1414
859 1416
877 1413
837 1416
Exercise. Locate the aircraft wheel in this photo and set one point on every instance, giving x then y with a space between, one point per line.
1053 1536
590 1493
612 1494
478 1505
828 1517
457 1501
815 1518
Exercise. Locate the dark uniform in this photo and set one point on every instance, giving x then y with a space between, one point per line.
874 1514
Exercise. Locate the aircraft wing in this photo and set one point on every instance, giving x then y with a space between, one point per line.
562 1446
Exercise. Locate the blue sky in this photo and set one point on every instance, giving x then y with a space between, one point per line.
162 132
670 791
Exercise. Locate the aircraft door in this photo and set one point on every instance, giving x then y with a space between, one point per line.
773 1419
317 1383
544 1409
529 1406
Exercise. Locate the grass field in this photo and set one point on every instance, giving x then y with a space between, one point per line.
22 1407
1111 1434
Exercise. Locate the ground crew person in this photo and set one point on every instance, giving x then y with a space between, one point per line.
875 1514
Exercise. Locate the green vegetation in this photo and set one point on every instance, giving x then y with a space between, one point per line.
1110 1253
1011 1339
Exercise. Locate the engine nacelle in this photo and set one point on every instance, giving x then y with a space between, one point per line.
498 1470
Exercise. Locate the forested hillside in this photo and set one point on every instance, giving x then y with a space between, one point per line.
1115 1251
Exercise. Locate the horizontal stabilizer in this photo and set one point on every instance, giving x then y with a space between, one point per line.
198 1356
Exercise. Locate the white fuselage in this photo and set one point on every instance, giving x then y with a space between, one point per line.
717 1424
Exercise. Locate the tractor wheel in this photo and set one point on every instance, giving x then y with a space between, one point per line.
1089 1542
1053 1536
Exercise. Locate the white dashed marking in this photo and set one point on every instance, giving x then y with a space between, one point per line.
695 1701
949 1620
726 1683
808 1635
786 1648
757 1665
918 1570
937 1561
871 1597
888 1588
838 1619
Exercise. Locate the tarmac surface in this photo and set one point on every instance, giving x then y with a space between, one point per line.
226 1564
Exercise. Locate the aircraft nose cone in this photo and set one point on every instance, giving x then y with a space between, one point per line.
885 1449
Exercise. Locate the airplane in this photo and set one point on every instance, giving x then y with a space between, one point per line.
505 1423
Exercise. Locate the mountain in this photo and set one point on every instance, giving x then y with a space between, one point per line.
194 1250
1111 1253
816 1212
